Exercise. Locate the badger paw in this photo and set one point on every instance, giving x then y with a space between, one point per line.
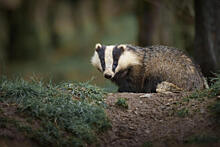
167 88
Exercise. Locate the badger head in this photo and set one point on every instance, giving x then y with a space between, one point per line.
112 59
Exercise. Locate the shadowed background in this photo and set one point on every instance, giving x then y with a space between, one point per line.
55 39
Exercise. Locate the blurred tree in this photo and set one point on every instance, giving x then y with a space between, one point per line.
147 14
21 34
207 39
97 9
25 25
166 22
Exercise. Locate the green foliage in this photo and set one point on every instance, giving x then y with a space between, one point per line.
85 92
68 114
202 139
147 144
215 108
213 91
183 112
199 94
121 102
215 88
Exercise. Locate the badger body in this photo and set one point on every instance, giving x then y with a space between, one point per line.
137 69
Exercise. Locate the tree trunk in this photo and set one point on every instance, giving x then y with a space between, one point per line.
207 36
21 33
26 26
147 13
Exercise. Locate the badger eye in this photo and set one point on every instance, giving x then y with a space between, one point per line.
114 67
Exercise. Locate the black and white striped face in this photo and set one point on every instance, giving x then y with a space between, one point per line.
111 59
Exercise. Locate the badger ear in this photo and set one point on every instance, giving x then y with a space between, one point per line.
98 46
122 47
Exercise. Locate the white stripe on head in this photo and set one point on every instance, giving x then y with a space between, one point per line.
127 58
109 60
96 61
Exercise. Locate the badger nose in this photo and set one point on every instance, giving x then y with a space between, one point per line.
107 76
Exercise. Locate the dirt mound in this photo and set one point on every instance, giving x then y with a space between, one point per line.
153 120
157 119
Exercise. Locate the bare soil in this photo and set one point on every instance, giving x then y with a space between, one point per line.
158 120
10 136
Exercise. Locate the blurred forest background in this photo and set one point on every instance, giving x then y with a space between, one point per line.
55 39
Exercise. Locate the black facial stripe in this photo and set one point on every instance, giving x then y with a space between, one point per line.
116 55
101 53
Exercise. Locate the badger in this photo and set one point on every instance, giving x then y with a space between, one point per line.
147 69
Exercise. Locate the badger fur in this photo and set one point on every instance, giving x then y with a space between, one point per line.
137 69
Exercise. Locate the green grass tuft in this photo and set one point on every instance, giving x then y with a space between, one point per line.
68 114
122 102
183 112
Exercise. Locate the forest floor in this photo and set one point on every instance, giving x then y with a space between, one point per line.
160 120
34 114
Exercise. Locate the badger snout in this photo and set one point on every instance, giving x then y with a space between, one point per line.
107 76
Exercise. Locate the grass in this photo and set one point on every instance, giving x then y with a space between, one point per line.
212 92
215 91
122 102
202 95
183 112
215 109
85 91
69 114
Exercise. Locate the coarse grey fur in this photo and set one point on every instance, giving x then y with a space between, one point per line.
158 64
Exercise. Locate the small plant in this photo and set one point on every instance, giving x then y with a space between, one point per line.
199 94
121 102
183 112
215 87
147 144
213 91
215 109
